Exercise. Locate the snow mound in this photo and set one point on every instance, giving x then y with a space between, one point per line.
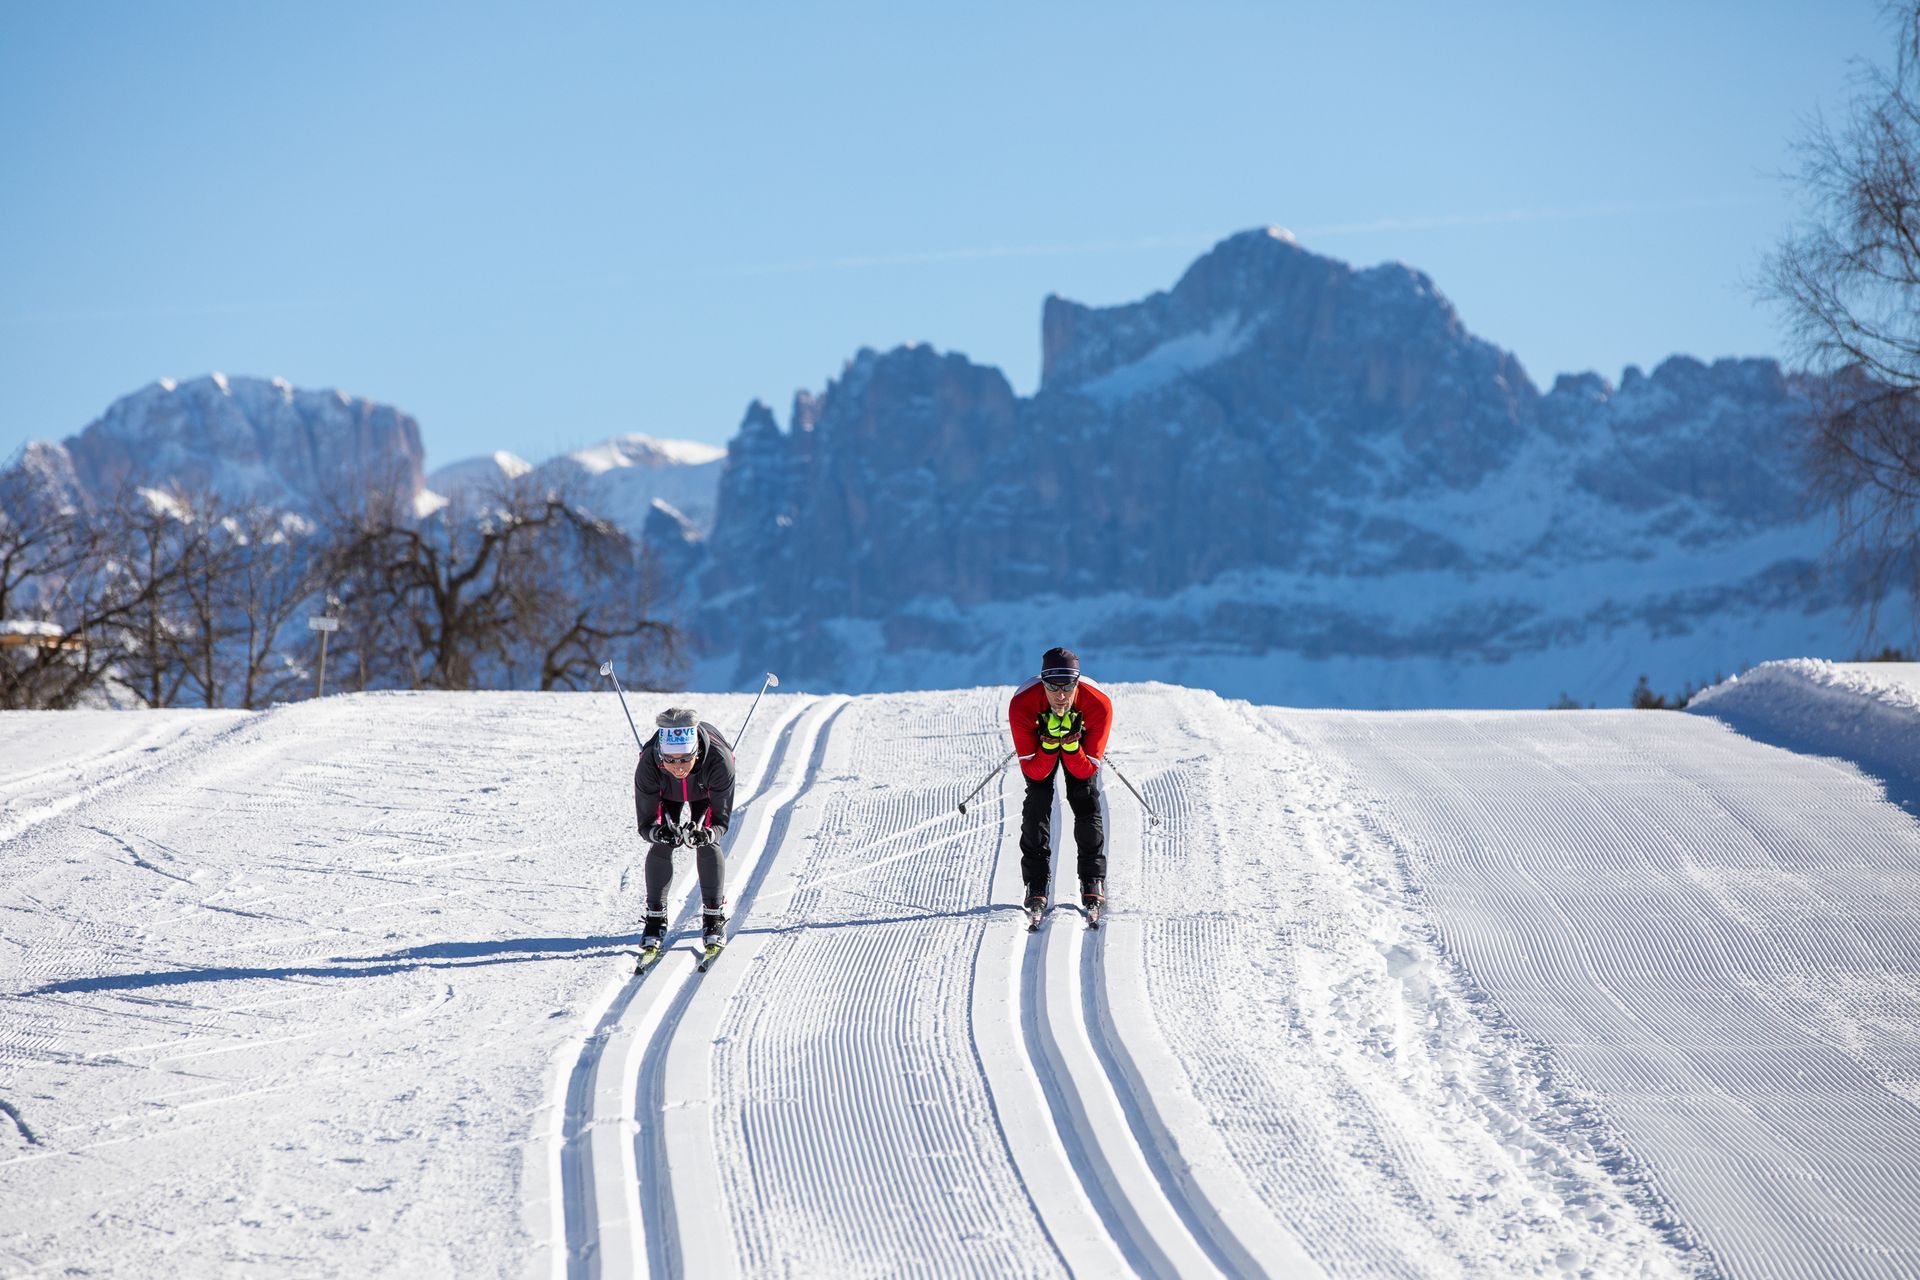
1867 712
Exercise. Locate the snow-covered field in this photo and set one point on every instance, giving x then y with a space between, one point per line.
341 989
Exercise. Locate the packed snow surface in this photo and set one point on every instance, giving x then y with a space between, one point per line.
344 988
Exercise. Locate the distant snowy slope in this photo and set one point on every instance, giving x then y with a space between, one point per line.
623 477
474 476
620 478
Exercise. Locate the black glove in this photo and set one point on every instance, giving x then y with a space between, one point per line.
708 835
663 833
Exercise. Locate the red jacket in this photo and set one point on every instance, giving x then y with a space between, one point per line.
1082 753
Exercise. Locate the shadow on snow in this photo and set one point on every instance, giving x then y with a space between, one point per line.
467 955
439 955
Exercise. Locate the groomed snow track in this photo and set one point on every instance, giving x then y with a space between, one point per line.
617 1199
645 1153
329 990
888 1072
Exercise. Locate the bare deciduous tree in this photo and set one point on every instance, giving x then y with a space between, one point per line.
183 596
247 570
604 607
45 544
281 575
106 580
518 587
152 551
1849 281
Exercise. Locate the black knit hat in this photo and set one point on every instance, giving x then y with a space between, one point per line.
1060 665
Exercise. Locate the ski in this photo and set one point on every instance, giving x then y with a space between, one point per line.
1035 916
1093 901
647 959
708 956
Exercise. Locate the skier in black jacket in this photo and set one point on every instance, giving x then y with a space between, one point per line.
683 790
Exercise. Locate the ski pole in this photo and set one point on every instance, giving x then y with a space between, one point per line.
772 680
997 771
606 669
1152 817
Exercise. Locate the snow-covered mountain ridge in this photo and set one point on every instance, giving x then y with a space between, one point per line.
1284 478
621 478
263 440
248 439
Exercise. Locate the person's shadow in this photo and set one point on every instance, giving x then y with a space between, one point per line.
438 955
457 955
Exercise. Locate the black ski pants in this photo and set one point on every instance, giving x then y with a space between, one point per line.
1036 828
713 875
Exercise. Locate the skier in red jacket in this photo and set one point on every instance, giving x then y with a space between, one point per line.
1060 721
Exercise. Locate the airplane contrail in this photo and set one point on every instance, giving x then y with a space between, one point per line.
935 257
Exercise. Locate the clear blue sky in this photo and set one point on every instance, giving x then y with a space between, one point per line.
536 226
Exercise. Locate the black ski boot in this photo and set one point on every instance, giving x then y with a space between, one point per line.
653 939
1036 908
1093 900
713 935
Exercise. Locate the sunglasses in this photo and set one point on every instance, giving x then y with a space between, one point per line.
676 760
1060 686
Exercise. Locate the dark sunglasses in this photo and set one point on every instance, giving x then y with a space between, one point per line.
1061 685
676 759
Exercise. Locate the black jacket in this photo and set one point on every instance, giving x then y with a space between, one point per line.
708 789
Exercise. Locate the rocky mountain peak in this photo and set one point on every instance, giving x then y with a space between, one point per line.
758 422
1298 460
1242 279
249 438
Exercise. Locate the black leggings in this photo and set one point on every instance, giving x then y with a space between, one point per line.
1036 829
713 876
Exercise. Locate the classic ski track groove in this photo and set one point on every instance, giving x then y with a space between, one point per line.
1124 1172
679 1179
864 1119
1215 1204
597 1211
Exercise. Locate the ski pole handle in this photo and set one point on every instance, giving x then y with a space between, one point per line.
772 680
606 669
997 770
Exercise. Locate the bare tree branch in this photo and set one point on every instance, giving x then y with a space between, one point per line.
1849 284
